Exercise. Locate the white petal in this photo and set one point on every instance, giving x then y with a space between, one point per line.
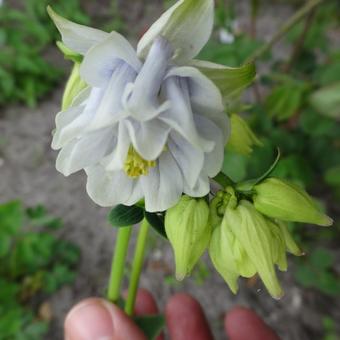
201 188
142 98
214 159
101 60
116 160
65 117
230 80
189 159
203 92
163 185
76 37
148 138
77 126
81 153
108 189
187 26
110 109
180 116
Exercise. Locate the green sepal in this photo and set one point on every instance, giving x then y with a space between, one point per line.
247 186
68 53
151 325
124 216
156 221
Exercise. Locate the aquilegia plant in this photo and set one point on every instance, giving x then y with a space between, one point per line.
149 127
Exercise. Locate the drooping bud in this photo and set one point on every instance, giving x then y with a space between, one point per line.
73 87
242 138
283 200
291 246
188 230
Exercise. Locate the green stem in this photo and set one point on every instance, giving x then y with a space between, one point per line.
291 22
137 267
223 180
118 263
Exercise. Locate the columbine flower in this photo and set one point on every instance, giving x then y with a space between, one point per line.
150 124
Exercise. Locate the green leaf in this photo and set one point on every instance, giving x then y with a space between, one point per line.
5 244
327 100
11 217
123 216
151 325
157 223
332 176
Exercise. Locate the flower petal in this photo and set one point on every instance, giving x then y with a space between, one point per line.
163 185
200 189
187 26
203 92
77 126
77 37
108 189
142 98
148 138
81 153
110 109
102 59
189 159
214 159
180 116
230 80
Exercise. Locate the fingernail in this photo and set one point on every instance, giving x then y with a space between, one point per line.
90 321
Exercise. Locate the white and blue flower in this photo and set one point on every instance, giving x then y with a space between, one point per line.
150 124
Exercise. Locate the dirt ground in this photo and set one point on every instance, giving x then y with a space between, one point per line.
27 171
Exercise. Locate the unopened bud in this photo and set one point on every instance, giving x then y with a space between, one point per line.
283 200
188 230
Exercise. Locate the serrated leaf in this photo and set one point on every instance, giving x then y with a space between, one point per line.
151 325
123 216
157 223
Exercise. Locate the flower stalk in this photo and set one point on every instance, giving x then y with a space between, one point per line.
118 263
137 267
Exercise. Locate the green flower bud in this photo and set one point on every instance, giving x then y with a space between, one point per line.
188 230
291 246
73 87
245 243
242 138
280 199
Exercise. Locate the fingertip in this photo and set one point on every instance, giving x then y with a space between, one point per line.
145 303
242 323
185 318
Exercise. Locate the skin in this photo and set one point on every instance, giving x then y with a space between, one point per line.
97 319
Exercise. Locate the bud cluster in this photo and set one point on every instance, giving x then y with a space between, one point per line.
245 232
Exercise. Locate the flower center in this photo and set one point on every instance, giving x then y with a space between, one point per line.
135 165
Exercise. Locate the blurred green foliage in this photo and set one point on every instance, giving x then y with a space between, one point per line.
294 105
26 32
34 264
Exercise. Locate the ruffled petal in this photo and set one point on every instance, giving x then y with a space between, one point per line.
76 37
108 189
180 116
102 59
187 26
77 126
148 138
142 97
163 185
81 153
189 159
213 160
110 109
204 94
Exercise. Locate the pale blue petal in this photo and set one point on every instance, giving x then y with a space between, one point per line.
163 185
148 138
86 151
101 60
142 100
189 159
180 116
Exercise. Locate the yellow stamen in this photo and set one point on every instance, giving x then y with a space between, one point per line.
135 165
